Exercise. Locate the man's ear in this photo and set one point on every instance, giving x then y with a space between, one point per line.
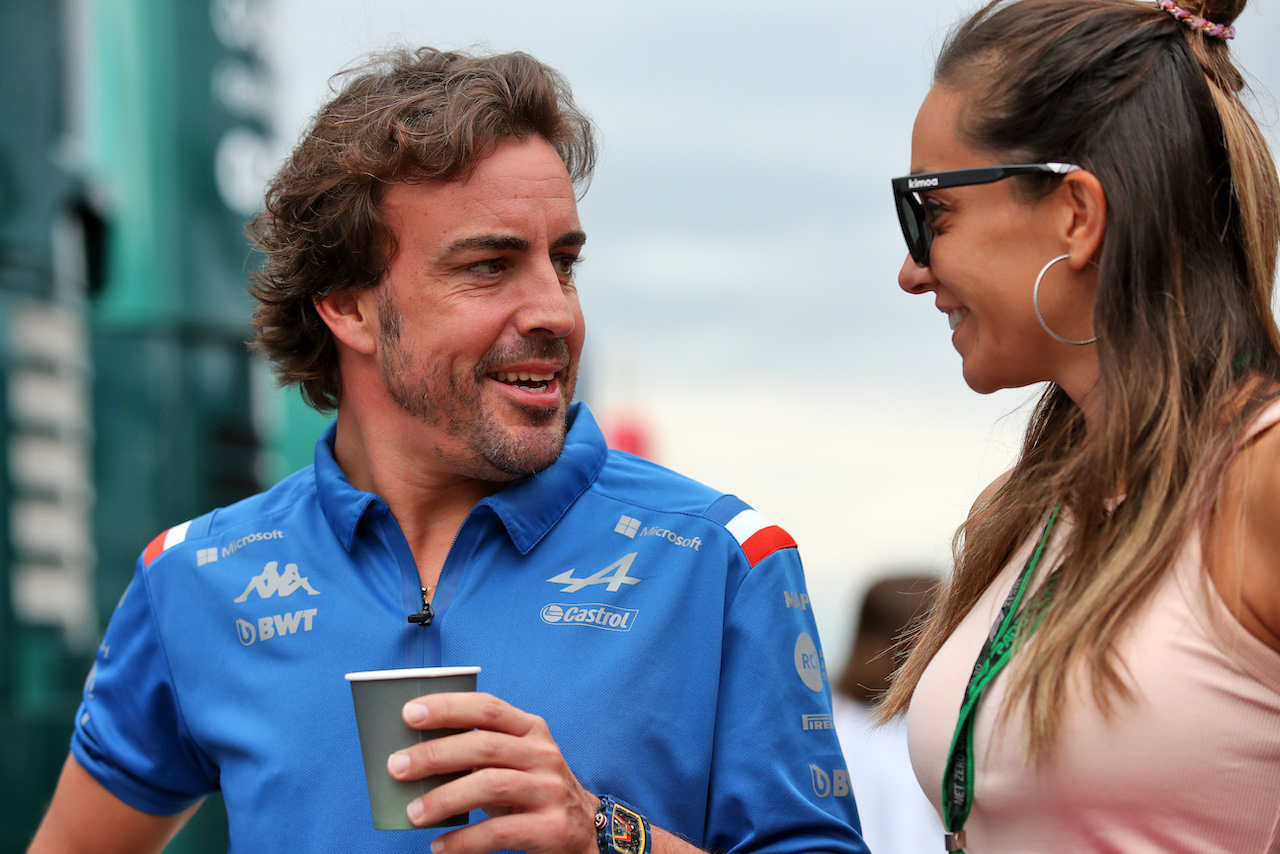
1086 203
351 317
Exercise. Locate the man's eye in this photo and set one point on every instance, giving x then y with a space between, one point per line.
565 264
492 267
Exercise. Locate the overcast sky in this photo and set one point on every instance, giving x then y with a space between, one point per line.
740 285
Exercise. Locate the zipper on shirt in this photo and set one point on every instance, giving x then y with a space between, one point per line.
426 615
426 643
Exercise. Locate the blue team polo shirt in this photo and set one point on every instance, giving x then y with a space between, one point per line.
661 628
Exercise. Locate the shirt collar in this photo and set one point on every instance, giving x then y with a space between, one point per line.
528 508
342 504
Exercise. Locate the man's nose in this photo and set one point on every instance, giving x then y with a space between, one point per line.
548 304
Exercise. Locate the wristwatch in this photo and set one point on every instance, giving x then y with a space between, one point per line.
620 829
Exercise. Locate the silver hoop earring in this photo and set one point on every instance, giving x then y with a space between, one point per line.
1035 301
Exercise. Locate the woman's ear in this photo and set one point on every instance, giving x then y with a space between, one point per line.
1087 204
350 316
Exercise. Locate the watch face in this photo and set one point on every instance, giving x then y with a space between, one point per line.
628 831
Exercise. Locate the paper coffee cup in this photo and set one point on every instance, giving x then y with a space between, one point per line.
379 696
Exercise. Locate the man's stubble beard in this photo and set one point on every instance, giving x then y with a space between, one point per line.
456 403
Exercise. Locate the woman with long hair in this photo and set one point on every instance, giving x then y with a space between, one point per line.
1093 207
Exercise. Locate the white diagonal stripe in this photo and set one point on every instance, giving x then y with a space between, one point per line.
745 524
175 535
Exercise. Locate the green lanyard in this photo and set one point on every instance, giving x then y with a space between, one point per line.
957 782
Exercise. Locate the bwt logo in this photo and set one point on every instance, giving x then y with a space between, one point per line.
278 625
809 662
836 785
595 614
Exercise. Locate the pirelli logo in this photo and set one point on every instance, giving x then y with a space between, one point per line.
812 722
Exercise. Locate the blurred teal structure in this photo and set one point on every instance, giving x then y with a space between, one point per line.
127 399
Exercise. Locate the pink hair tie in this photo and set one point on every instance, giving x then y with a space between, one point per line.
1195 22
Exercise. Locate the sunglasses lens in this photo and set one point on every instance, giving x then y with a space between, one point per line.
914 228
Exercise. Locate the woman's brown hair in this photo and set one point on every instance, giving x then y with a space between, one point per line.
1183 317
404 116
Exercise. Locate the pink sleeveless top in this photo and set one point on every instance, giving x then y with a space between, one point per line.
1190 766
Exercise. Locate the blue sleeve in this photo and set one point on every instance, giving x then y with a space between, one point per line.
129 732
779 781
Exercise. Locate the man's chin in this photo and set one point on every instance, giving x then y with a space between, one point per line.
526 450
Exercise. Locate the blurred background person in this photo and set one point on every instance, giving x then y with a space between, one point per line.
896 816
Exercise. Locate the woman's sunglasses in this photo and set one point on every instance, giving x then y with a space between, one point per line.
910 204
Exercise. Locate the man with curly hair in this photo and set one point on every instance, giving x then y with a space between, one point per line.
650 676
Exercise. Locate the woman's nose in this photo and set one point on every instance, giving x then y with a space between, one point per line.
915 279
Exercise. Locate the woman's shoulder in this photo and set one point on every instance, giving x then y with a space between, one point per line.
1244 544
983 502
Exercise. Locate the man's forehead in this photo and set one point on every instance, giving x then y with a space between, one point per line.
464 214
442 221
515 169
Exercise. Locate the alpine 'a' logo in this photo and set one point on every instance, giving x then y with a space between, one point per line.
614 575
920 183
271 583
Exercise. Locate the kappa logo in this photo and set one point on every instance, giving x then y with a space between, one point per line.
271 583
627 526
597 615
809 663
275 626
834 785
614 575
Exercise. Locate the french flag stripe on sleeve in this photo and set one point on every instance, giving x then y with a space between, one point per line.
758 536
165 540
